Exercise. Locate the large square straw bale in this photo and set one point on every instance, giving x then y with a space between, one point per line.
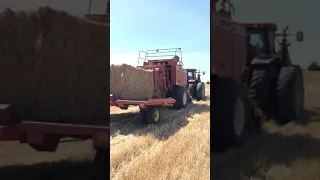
54 66
131 83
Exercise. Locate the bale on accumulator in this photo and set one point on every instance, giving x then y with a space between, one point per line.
54 66
131 83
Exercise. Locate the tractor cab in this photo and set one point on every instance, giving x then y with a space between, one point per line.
191 74
194 75
261 39
261 43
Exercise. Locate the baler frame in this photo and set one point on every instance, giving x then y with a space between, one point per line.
149 109
43 136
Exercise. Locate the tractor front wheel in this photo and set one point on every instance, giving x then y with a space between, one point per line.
201 90
290 94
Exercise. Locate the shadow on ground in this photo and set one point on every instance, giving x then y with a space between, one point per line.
171 122
62 170
261 152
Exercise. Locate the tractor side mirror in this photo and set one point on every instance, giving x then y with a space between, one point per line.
299 36
203 73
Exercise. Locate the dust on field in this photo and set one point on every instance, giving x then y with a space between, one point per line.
290 152
177 148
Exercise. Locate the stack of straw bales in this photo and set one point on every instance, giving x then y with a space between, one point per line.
131 83
53 66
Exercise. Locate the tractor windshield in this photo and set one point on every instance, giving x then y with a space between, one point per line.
256 42
190 75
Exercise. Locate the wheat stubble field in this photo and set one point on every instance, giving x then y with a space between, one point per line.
177 148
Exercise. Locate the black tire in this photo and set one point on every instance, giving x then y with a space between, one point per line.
150 115
178 94
290 94
260 90
101 161
193 89
201 90
226 94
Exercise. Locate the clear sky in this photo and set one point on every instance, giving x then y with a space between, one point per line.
155 24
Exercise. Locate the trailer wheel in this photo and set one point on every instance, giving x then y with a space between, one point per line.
193 89
101 162
290 94
181 96
150 115
229 114
200 91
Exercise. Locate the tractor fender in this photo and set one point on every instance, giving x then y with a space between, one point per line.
263 63
192 80
259 61
265 59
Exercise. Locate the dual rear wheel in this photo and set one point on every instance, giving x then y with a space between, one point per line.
197 90
278 94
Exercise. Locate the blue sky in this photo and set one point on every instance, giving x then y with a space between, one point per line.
144 24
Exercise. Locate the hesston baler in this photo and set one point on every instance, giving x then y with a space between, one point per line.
170 84
251 80
43 136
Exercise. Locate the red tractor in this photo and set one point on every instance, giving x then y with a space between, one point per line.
195 85
251 80
170 84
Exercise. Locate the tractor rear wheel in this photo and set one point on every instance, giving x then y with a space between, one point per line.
229 114
200 91
180 94
290 94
